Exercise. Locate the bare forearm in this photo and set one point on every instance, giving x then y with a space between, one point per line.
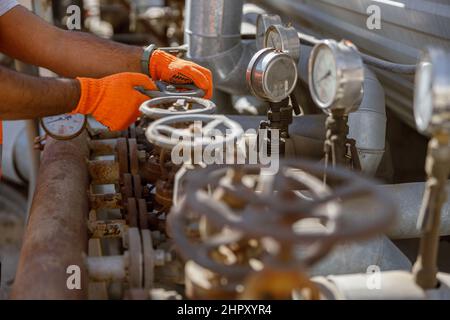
103 57
27 97
71 54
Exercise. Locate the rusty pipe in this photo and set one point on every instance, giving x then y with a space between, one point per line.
56 234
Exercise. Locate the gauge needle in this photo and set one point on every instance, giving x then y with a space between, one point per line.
56 120
60 118
325 76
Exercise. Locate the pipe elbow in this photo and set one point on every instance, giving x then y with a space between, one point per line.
368 124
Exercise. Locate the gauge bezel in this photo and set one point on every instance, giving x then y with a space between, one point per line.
439 120
257 74
349 90
290 42
58 137
264 21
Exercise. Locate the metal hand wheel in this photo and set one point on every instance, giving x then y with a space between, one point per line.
201 252
172 90
294 195
173 106
207 130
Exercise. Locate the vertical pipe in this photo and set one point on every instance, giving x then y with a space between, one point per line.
56 235
213 35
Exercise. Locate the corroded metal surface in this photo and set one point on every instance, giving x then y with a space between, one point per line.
104 171
56 236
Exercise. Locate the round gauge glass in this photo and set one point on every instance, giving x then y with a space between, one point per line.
263 22
280 77
324 76
423 100
273 39
63 127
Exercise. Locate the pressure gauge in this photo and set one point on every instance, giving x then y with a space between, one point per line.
64 127
263 22
283 39
432 92
336 76
272 75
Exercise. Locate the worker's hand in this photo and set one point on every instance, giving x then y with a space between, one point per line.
166 67
113 101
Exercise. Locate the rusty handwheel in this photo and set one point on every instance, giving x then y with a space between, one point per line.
191 247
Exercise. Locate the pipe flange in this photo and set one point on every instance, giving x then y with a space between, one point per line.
127 187
132 213
133 152
122 155
149 259
135 272
143 215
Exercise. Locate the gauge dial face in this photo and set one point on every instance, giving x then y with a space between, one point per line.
324 76
273 39
423 101
64 126
262 24
280 78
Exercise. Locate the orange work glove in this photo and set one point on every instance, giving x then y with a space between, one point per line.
166 67
113 101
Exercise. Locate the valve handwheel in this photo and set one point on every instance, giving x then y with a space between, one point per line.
341 207
172 90
166 132
202 251
178 105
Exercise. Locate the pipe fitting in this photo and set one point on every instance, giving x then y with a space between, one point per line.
213 36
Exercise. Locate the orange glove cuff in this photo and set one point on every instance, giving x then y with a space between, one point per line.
158 62
91 90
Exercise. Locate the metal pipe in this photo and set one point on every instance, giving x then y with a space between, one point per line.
109 268
408 197
56 235
213 35
392 285
359 257
15 167
368 124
